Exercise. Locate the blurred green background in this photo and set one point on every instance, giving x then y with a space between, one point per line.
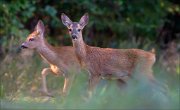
144 24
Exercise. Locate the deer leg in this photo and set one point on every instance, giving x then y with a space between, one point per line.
121 83
93 81
44 73
67 84
157 84
147 72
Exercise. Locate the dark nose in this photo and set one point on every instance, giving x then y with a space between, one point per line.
23 46
74 37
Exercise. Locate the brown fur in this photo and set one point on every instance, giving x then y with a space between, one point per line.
107 62
62 60
115 63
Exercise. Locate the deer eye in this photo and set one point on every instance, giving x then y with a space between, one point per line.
79 30
31 39
70 30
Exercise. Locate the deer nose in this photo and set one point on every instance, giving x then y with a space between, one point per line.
74 37
23 46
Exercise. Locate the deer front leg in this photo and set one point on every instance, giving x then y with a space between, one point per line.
44 73
67 84
93 81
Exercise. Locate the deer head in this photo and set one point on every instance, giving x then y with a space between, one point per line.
75 28
36 37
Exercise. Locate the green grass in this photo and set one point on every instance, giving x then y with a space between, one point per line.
21 81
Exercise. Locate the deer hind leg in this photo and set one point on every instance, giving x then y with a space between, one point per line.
44 73
157 85
146 70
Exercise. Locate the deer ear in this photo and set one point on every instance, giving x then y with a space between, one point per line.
40 27
65 20
84 20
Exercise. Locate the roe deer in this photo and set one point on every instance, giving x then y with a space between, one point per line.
107 62
61 59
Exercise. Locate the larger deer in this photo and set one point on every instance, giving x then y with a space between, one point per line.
61 59
108 62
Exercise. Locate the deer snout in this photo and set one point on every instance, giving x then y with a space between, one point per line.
23 46
74 37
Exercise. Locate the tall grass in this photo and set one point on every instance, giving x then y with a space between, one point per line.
21 83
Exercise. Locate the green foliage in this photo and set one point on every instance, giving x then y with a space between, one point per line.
1 91
178 69
21 84
138 94
110 22
113 23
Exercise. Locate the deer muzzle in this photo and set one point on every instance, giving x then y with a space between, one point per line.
74 37
23 46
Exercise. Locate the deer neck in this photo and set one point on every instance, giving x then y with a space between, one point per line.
46 51
80 49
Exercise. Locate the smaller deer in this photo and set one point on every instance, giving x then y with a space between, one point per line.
107 62
62 60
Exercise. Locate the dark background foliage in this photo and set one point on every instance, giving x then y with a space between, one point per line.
143 24
111 22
